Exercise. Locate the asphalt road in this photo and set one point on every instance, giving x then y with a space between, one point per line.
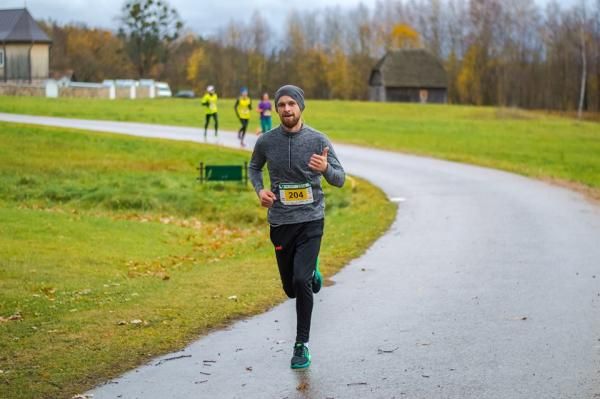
486 286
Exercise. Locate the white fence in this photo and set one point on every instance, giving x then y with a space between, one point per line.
110 89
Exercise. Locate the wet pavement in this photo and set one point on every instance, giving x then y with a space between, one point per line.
486 286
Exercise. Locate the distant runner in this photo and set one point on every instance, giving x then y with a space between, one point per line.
210 102
264 108
242 108
296 156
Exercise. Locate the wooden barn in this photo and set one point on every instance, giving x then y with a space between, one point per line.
24 48
413 75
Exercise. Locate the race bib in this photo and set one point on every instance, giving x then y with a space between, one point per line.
267 113
295 194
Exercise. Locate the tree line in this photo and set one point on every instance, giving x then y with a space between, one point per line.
496 52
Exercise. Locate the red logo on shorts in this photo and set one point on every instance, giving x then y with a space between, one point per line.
278 247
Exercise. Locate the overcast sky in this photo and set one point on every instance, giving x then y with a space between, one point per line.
197 15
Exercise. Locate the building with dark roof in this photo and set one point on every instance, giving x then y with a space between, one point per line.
413 75
24 48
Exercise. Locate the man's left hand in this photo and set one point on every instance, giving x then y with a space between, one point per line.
319 162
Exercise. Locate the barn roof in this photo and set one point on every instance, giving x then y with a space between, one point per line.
411 68
18 26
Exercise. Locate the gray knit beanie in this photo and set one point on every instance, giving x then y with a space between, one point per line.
293 91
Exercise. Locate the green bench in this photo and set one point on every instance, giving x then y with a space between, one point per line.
223 172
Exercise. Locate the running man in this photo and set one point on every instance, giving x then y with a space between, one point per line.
242 108
264 108
296 156
210 102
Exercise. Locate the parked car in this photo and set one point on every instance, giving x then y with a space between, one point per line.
163 89
185 94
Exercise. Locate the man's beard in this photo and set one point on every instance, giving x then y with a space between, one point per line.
290 122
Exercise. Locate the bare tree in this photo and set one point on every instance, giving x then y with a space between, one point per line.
582 11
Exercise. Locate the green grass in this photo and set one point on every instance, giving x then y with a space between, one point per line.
530 143
100 230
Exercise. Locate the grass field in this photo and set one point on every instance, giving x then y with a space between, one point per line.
111 253
530 143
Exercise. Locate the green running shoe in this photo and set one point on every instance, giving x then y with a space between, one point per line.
317 280
301 358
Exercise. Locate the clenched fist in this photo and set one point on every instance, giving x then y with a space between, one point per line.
266 198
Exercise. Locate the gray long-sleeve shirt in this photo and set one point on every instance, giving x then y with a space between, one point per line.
287 156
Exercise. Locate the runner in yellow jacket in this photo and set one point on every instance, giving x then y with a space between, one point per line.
210 102
242 108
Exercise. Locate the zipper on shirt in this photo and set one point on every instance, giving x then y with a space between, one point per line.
289 152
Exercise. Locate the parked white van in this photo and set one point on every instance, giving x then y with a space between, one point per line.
163 89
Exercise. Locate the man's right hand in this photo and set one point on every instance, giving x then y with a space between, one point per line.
266 198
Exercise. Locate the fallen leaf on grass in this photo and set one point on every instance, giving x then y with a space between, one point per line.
137 322
14 317
48 291
233 297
